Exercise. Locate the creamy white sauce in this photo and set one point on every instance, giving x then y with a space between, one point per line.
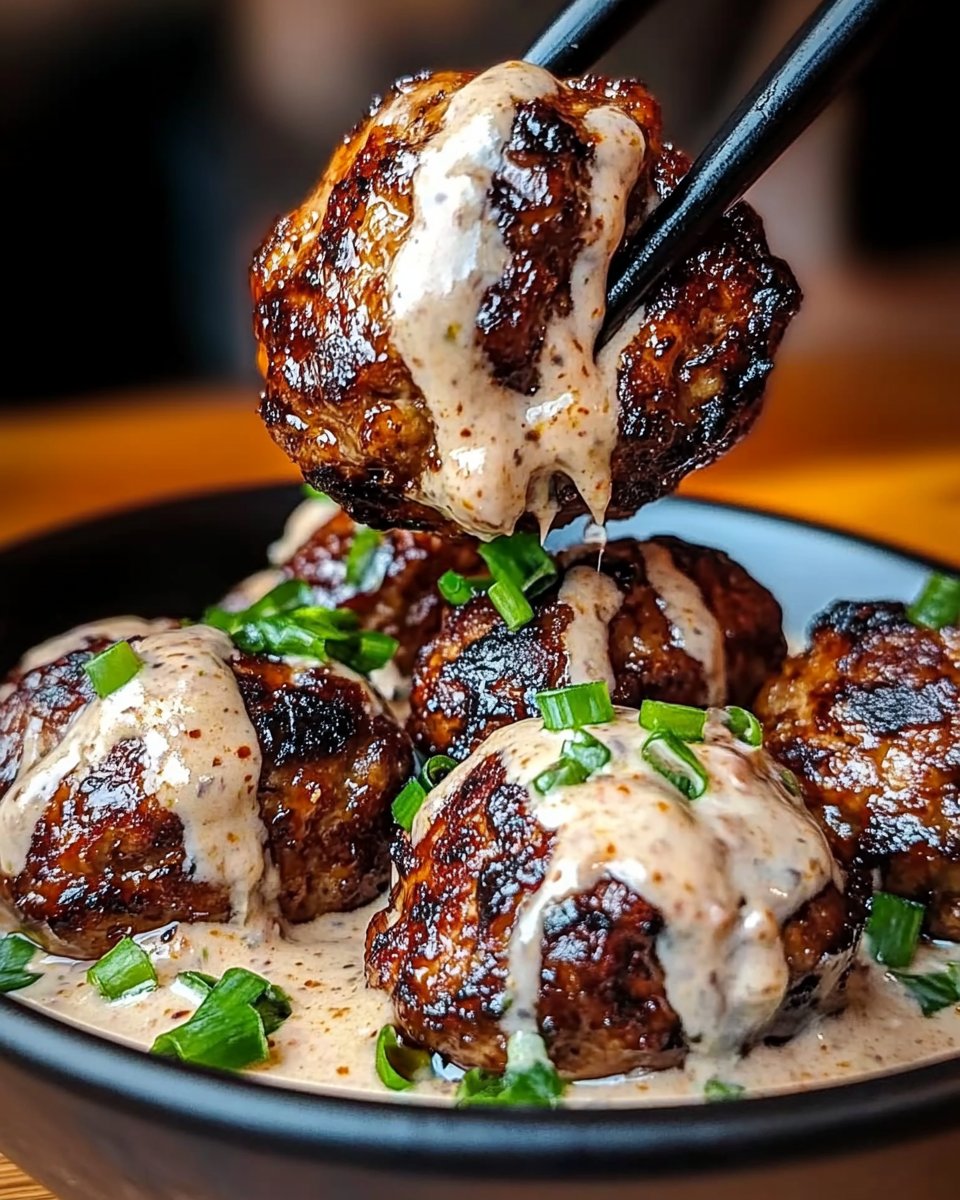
694 627
200 755
595 600
305 520
452 254
117 629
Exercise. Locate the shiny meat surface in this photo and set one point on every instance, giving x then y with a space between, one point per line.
868 718
476 675
333 762
441 946
398 594
339 397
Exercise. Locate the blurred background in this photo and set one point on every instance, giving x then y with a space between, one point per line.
147 145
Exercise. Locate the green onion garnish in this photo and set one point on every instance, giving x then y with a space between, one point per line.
360 558
124 971
408 803
563 773
284 623
520 559
511 604
893 929
458 589
112 668
572 707
938 989
198 982
715 1090
744 725
311 493
790 781
229 1030
580 757
399 1066
938 604
16 951
680 719
530 1080
437 767
676 762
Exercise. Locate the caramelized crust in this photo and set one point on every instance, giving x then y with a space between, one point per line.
340 400
332 764
476 675
441 947
868 718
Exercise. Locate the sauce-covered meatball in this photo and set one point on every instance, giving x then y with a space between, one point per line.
427 318
156 802
626 923
868 718
661 619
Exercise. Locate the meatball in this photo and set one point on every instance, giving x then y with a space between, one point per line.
426 318
661 619
396 592
156 803
868 719
625 924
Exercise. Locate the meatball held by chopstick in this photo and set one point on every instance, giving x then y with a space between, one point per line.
868 719
630 896
147 785
427 318
661 619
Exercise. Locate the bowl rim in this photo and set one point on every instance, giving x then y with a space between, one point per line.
400 1136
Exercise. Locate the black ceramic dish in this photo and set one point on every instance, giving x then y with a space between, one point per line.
92 1119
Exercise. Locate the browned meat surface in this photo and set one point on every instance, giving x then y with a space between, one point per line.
868 718
441 947
476 675
333 762
340 399
399 595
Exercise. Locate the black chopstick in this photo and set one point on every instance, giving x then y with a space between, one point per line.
584 32
796 86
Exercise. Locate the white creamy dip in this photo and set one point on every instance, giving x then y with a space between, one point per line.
116 629
200 756
453 253
595 600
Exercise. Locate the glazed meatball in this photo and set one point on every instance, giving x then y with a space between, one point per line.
157 802
397 591
868 719
426 318
576 913
662 619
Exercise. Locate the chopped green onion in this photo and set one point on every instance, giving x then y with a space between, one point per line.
112 668
586 750
229 1030
680 719
311 493
124 971
676 762
458 589
893 929
399 1066
744 725
938 604
790 781
16 951
936 990
198 982
511 604
360 558
521 560
437 767
284 623
530 1080
715 1090
563 773
408 803
572 707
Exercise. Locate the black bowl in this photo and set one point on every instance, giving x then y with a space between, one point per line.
93 1119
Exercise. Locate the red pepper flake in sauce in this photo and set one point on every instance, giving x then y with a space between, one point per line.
244 752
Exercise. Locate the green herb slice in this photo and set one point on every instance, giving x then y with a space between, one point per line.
682 720
893 929
112 668
575 706
676 762
529 1081
125 971
399 1066
938 604
16 951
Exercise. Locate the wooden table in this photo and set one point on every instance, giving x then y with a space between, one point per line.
868 442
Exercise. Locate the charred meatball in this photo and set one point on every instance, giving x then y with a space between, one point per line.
661 619
868 719
625 924
395 590
426 319
156 803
